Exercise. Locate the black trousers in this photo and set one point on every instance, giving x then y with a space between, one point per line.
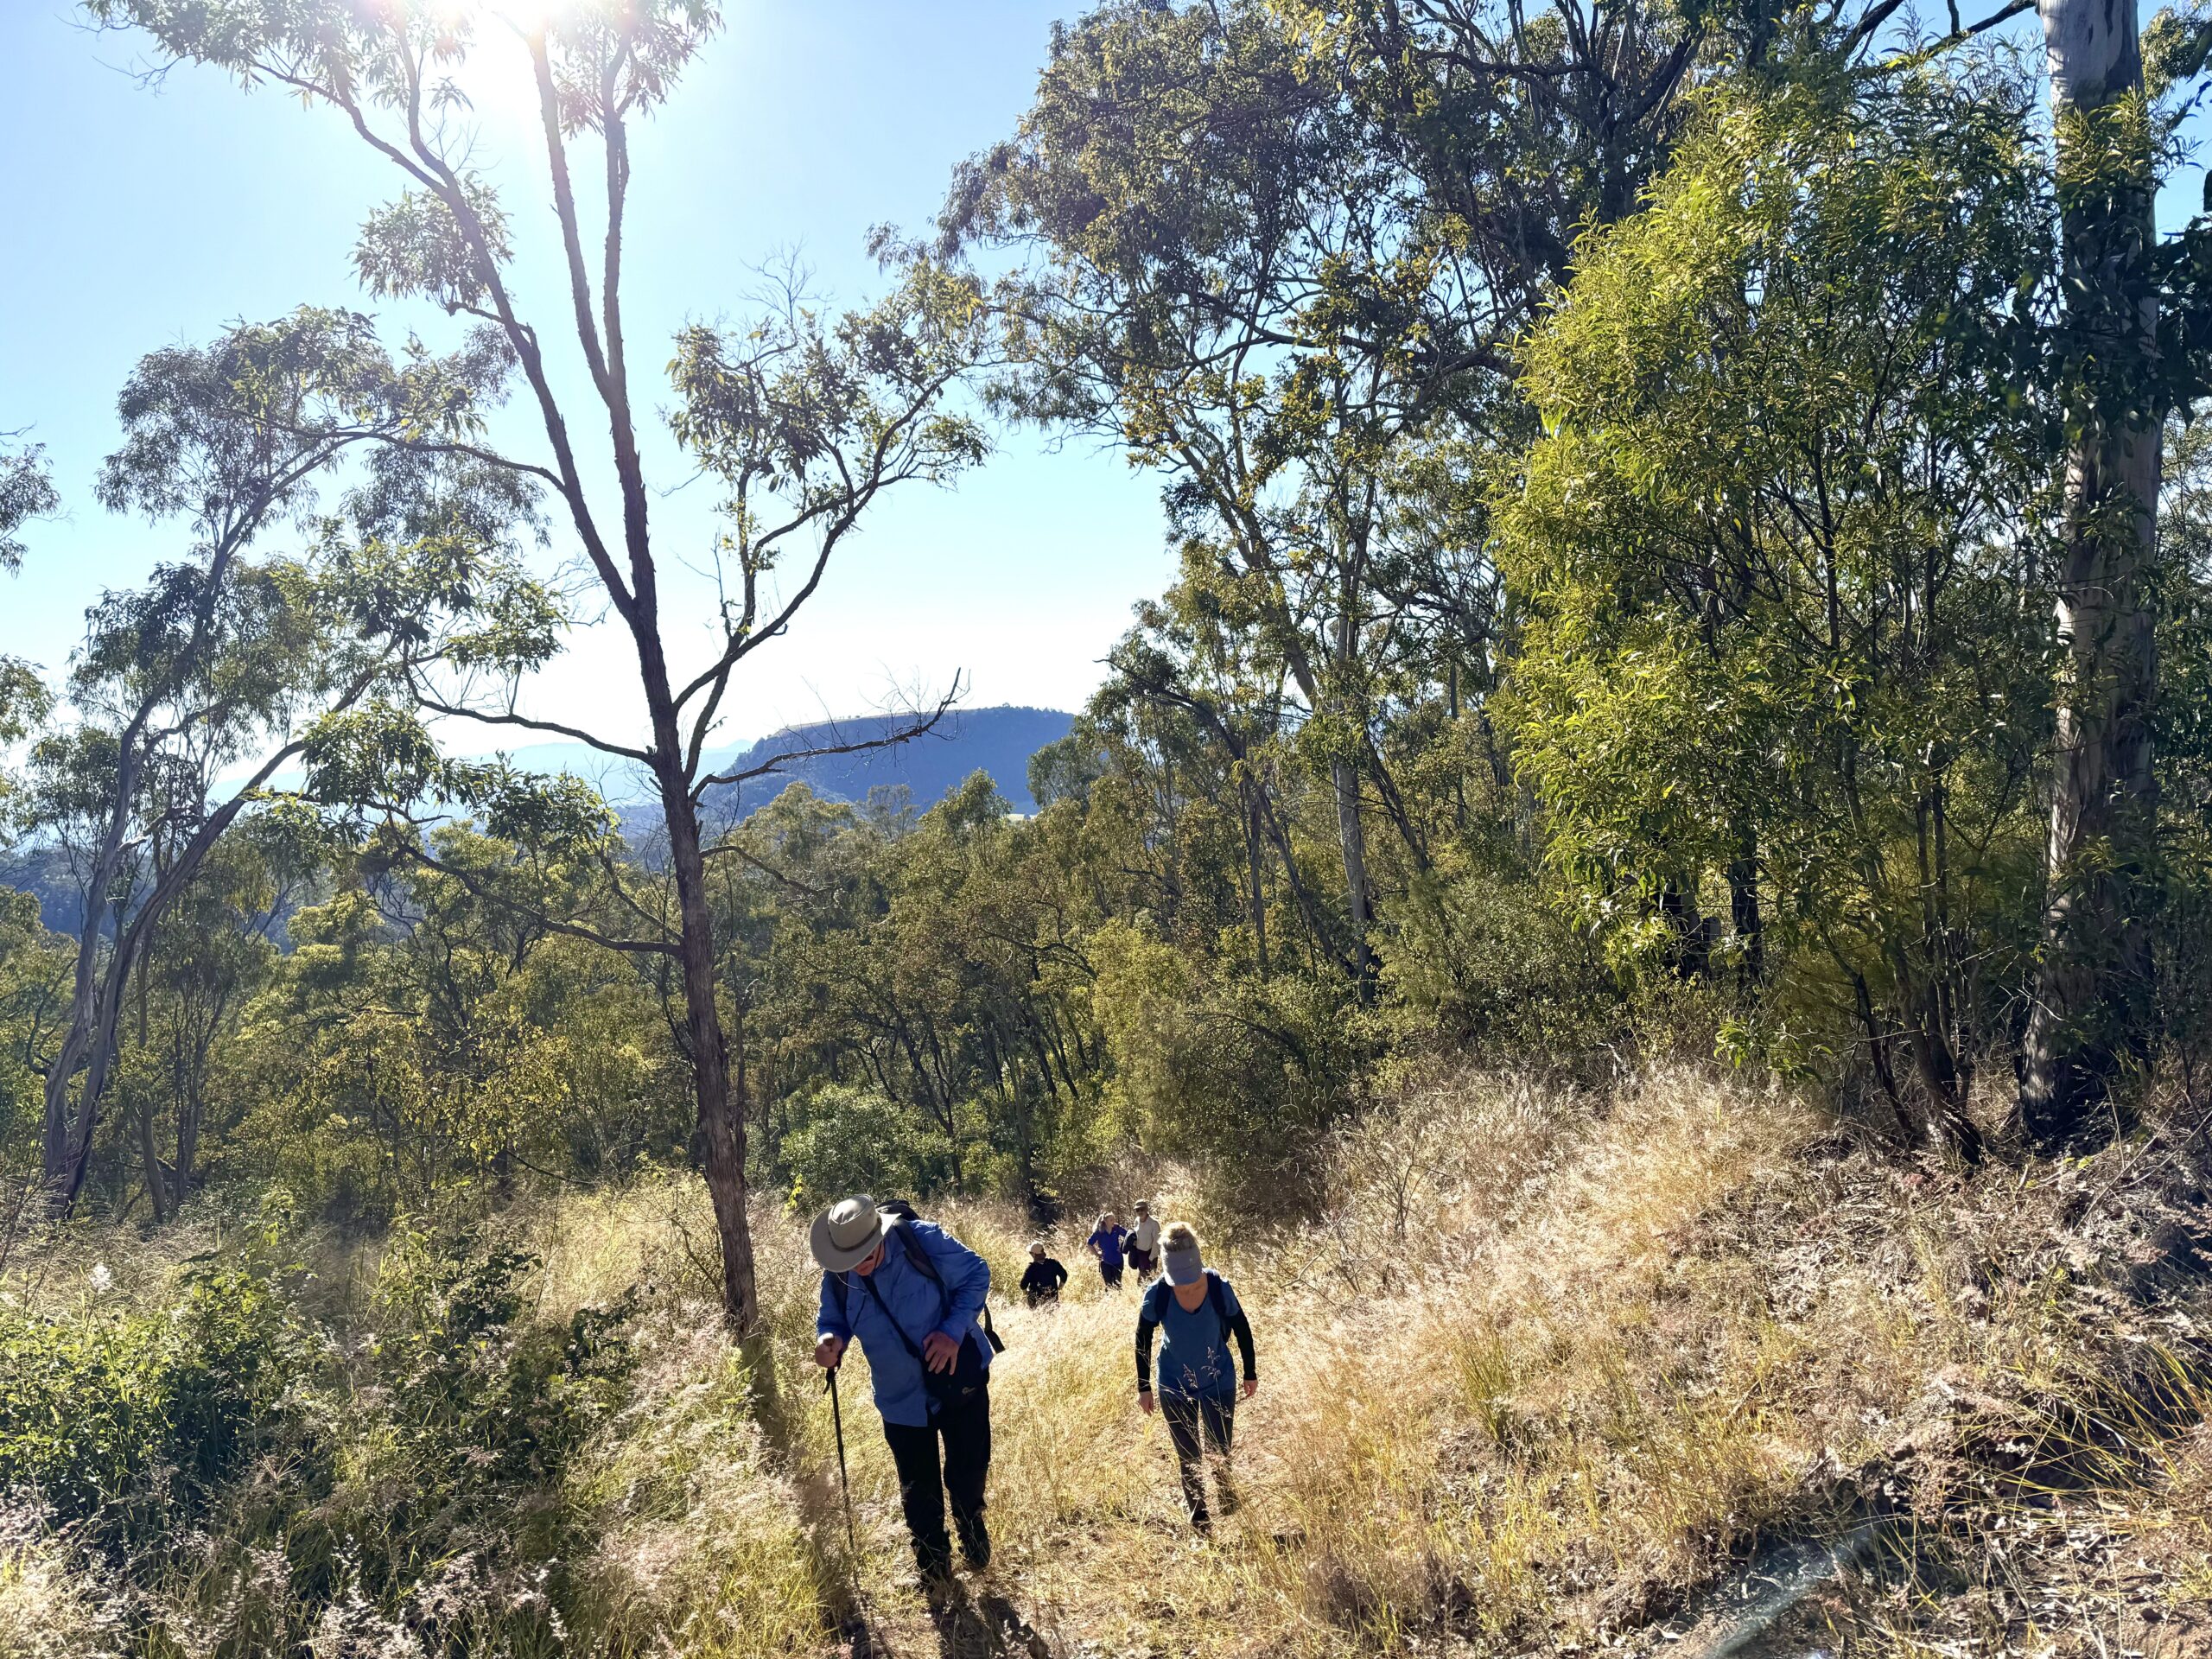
925 1481
1191 1425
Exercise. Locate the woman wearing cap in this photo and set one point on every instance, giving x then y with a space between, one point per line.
1144 1242
911 1294
1195 1314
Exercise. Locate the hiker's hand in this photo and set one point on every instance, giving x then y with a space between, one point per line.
940 1352
1145 1401
1251 1387
827 1351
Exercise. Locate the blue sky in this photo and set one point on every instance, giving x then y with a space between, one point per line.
142 216
147 216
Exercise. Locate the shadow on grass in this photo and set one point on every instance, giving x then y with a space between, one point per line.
984 1626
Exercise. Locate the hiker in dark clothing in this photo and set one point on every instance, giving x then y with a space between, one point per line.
1105 1242
912 1294
1042 1278
1195 1313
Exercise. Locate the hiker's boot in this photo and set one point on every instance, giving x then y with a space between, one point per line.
935 1566
1201 1522
1224 1497
976 1543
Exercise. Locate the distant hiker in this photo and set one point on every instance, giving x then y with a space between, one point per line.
1144 1242
1042 1278
912 1294
1105 1242
1196 1314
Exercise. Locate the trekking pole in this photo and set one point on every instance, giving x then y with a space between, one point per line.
844 1483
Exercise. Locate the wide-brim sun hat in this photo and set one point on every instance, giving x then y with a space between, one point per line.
847 1234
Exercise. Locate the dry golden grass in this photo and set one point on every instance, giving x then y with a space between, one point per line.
1547 1367
50 1605
1547 1363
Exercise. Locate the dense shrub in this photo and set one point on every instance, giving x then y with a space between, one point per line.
853 1140
1240 1075
1489 966
481 1395
118 1420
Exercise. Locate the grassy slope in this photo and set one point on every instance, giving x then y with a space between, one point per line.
1548 1375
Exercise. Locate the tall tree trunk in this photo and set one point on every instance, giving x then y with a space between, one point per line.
149 1150
721 1131
189 1109
1743 916
1255 884
2095 975
1344 779
80 1041
1688 946
149 1153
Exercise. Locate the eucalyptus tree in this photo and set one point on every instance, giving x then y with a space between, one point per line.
191 694
210 950
2093 991
1523 122
1189 659
1220 268
803 419
1768 547
27 493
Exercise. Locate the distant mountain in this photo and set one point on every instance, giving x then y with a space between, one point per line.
44 872
967 740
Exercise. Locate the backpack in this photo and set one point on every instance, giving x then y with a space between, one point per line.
918 1257
1217 1299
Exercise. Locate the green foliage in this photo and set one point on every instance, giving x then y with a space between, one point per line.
286 1479
27 493
427 1507
1240 1074
1781 629
1609 464
2183 923
126 1422
427 1042
483 1397
33 986
843 1139
1488 962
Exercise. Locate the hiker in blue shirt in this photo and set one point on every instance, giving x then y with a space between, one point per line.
912 1294
1105 1242
1195 1313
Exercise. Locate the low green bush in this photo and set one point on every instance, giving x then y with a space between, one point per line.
121 1421
853 1140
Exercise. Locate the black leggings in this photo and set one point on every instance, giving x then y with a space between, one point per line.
925 1482
1190 1423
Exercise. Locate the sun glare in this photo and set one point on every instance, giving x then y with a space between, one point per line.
527 15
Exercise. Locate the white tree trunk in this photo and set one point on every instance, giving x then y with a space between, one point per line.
2095 973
